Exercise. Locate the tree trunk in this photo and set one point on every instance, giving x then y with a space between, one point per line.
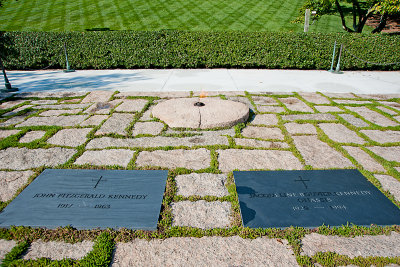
364 20
382 24
342 17
354 16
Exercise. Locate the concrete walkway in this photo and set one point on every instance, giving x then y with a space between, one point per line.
148 80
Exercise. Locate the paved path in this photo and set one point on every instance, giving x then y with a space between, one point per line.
369 82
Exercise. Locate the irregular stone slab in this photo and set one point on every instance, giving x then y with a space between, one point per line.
155 94
7 133
94 120
364 246
388 153
10 182
43 102
314 98
340 95
364 159
263 132
340 133
62 106
397 169
15 111
5 247
76 100
192 251
353 120
215 113
51 94
241 99
295 104
390 184
259 143
22 158
379 96
352 102
158 141
201 214
147 115
373 116
103 107
240 159
382 136
201 184
152 127
319 154
312 117
135 105
190 159
274 109
117 123
298 128
388 111
324 109
230 132
11 104
265 119
32 136
14 120
263 100
109 157
55 250
72 120
59 112
69 137
394 105
97 96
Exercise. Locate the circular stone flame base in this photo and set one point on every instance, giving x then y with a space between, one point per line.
215 113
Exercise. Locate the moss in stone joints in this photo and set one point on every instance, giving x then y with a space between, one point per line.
334 259
309 104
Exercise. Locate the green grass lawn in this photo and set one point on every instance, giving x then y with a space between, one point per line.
202 15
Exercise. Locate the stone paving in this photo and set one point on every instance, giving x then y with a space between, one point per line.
290 131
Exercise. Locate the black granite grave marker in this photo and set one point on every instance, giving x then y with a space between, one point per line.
311 198
88 199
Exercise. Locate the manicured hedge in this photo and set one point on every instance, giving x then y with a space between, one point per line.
184 49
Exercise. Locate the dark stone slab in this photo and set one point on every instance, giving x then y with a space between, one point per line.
311 198
88 199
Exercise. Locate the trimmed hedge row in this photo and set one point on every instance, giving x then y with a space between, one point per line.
185 49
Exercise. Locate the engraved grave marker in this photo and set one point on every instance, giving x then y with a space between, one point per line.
311 199
88 199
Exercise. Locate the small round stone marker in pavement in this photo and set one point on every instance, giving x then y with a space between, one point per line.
58 250
215 113
201 184
201 214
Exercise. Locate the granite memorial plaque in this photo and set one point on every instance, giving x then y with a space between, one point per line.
89 199
311 198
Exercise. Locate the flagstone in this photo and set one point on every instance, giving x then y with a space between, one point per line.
300 128
15 111
394 105
397 169
217 93
119 157
32 136
5 247
7 133
15 158
319 154
10 182
241 159
324 109
155 94
390 184
352 102
135 105
259 143
274 109
14 120
315 117
201 214
354 120
56 250
201 184
75 100
97 96
340 133
94 120
364 159
265 119
43 94
103 107
379 96
263 132
397 118
147 115
388 153
363 246
339 95
43 102
152 127
59 112
295 104
117 123
190 159
373 116
62 106
204 251
264 100
382 136
71 120
241 99
70 137
11 104
314 98
388 111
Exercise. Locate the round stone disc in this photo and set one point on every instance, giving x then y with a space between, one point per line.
182 113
